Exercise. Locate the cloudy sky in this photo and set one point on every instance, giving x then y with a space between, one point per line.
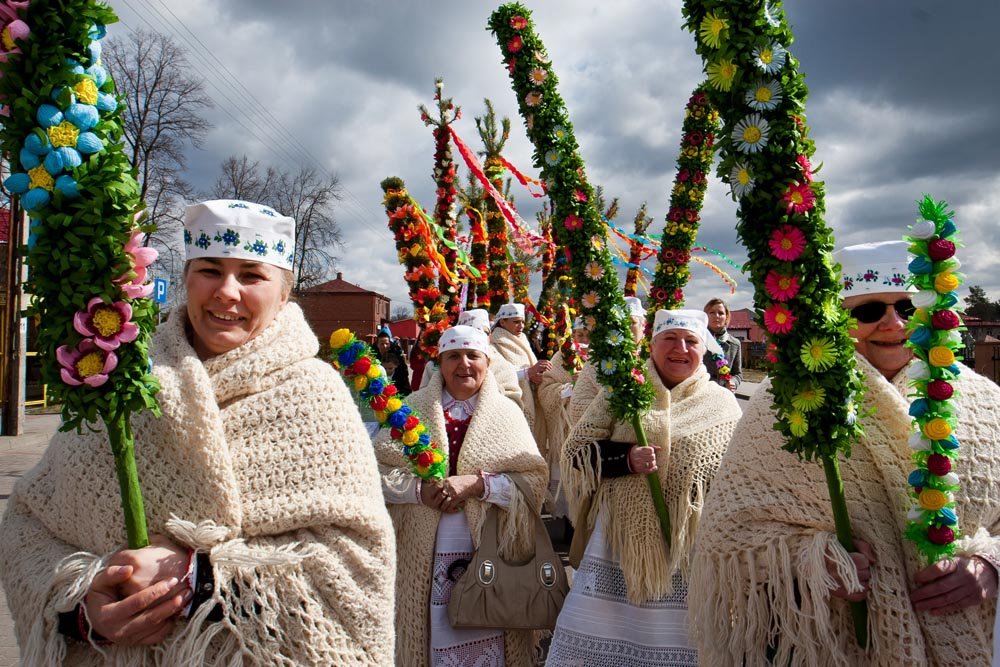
903 101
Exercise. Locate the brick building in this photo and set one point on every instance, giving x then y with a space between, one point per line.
338 303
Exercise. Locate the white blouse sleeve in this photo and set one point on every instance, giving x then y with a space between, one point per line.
497 489
400 486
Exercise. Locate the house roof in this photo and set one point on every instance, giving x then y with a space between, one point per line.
404 328
740 319
339 286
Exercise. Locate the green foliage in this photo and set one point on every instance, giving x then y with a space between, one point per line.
78 251
764 209
577 227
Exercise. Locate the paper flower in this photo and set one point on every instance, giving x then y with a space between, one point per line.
741 180
515 44
594 271
518 23
787 243
781 287
608 366
797 423
133 284
769 58
751 133
778 319
721 74
85 364
533 99
552 157
573 222
799 198
109 324
537 76
809 399
818 354
590 300
712 29
764 95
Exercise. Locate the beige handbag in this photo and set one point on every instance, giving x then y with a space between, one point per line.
493 593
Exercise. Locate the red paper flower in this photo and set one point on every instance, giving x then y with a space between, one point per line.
938 464
780 287
940 535
940 249
939 390
573 222
518 22
787 243
515 44
361 366
411 423
695 137
945 319
803 162
580 195
799 198
778 319
390 390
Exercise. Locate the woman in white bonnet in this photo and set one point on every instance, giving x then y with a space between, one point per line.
629 595
271 543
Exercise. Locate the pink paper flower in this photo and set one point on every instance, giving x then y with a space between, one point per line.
780 287
778 319
85 364
573 222
806 167
515 44
518 22
639 377
787 243
580 195
109 323
132 283
799 198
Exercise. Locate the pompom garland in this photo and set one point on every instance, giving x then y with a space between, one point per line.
361 368
932 523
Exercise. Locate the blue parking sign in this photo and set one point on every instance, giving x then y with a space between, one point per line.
160 291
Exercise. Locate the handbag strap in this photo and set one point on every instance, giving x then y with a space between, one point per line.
522 485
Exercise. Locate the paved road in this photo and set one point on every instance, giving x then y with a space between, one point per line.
17 455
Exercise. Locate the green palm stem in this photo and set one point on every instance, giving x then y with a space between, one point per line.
123 448
655 489
842 522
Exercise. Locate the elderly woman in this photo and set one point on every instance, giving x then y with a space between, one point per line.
774 582
271 541
508 338
629 594
554 393
438 524
718 319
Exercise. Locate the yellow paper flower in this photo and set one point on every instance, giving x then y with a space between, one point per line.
410 438
798 423
937 429
393 404
340 338
721 74
712 27
436 456
374 372
932 499
809 399
380 416
86 91
946 282
360 382
39 177
63 134
940 356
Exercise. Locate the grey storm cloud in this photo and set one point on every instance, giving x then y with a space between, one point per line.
903 101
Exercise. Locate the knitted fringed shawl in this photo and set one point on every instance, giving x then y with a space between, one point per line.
498 440
759 579
555 408
517 351
261 460
692 424
585 389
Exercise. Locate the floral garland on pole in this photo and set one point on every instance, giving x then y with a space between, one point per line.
415 248
755 85
642 222
701 125
494 140
577 225
444 178
479 288
935 338
361 366
87 268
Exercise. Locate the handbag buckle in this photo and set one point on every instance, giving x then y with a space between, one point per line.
547 574
487 572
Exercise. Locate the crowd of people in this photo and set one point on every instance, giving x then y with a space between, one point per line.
284 535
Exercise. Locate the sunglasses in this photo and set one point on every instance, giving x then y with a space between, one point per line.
871 312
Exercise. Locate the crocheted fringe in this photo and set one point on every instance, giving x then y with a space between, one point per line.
510 546
745 611
67 588
579 478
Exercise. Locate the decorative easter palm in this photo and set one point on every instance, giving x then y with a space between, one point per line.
640 224
87 266
754 83
577 225
494 139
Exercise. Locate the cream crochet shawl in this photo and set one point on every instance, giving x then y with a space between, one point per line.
517 351
262 460
759 570
585 389
498 441
692 423
555 408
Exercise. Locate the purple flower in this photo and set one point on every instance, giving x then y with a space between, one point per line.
85 364
109 324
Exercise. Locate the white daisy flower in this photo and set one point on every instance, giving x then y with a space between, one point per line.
764 95
770 58
751 134
741 180
771 14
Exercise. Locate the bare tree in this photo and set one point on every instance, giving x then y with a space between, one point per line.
164 102
305 195
401 313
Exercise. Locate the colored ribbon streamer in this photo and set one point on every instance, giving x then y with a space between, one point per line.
524 180
431 225
524 237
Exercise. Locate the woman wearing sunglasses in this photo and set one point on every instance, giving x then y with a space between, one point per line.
774 584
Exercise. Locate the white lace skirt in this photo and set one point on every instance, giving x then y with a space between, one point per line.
598 627
457 647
